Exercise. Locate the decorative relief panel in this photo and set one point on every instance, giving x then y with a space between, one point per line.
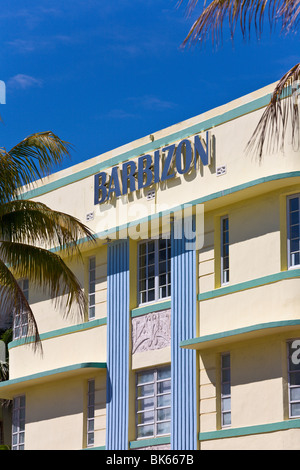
151 331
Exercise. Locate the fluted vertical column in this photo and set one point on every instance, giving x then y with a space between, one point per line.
117 345
183 325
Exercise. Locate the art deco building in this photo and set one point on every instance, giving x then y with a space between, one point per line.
192 333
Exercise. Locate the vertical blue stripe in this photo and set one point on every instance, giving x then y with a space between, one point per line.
117 346
183 326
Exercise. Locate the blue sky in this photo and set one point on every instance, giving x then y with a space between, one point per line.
101 73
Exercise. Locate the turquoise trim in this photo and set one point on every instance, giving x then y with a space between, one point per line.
194 202
261 281
250 430
155 441
59 332
196 128
48 373
95 448
155 307
239 331
201 200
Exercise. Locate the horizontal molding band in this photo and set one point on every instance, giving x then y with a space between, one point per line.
261 281
155 441
95 448
196 128
114 230
155 307
239 331
60 332
48 373
249 430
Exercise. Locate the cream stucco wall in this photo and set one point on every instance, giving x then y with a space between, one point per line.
259 378
88 345
280 440
55 419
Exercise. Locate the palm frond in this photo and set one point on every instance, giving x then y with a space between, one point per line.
48 272
13 301
282 109
246 14
31 159
289 12
35 223
6 336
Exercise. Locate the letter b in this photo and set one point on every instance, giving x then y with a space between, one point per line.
100 188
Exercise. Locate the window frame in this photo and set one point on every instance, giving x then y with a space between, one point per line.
155 408
288 230
91 307
90 410
224 282
18 422
224 396
167 273
290 387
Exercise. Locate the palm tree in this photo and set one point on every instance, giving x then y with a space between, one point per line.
246 14
29 229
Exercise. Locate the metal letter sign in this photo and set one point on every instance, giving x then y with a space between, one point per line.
151 169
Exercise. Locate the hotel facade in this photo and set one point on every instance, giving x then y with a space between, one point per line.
192 333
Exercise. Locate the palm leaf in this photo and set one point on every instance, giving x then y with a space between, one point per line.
246 14
32 159
28 229
35 223
283 108
48 272
13 300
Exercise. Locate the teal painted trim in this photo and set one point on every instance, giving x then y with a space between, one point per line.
155 307
196 128
250 430
155 441
60 332
201 200
95 448
239 331
261 281
48 373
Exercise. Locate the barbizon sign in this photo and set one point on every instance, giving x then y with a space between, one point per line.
163 164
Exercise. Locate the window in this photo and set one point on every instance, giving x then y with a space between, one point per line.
294 378
91 413
225 391
20 325
154 270
224 250
18 423
92 287
153 402
293 231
